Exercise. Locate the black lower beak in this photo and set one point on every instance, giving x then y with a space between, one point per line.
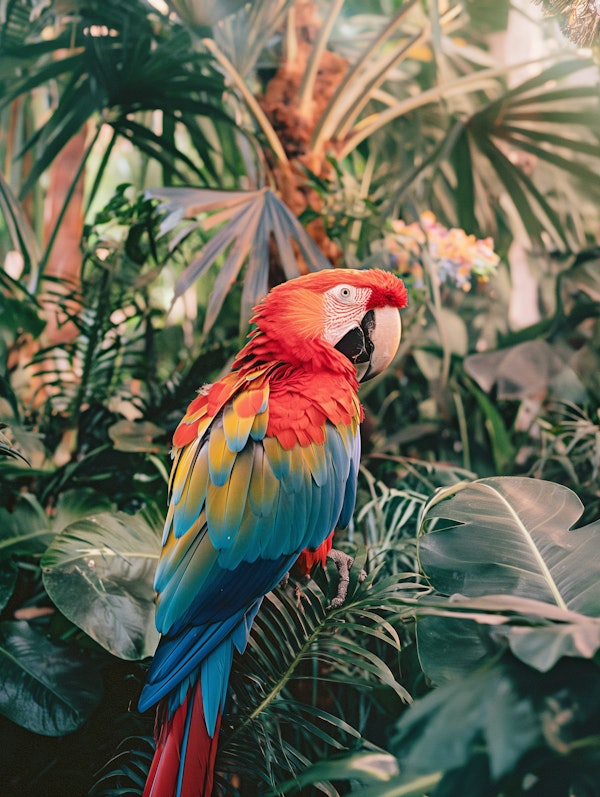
357 345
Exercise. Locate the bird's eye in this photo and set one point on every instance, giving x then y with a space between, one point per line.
345 293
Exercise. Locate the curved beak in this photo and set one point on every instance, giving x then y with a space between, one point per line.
373 345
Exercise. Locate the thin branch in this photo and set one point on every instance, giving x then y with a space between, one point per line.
365 128
324 130
312 67
249 99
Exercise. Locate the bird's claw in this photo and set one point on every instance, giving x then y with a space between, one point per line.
294 587
299 595
343 563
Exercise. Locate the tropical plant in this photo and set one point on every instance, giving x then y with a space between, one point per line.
510 635
341 143
106 66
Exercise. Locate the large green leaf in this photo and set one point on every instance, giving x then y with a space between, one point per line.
99 572
46 688
510 535
508 538
515 718
28 529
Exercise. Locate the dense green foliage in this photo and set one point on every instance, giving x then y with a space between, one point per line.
477 515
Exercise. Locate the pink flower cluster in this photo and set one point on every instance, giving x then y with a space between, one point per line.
458 259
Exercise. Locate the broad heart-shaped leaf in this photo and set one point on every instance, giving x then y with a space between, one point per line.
46 688
522 371
509 536
99 572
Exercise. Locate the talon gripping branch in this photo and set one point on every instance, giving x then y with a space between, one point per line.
276 438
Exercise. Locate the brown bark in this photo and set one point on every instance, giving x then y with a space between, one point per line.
63 268
61 278
295 128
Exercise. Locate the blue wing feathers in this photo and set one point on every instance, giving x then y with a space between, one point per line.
188 500
220 457
225 503
351 485
263 504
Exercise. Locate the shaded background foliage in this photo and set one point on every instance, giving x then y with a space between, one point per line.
162 167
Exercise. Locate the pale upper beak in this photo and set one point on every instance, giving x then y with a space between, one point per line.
373 345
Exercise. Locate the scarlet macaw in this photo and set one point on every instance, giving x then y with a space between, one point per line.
265 466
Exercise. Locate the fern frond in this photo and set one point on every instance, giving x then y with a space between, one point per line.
125 774
304 689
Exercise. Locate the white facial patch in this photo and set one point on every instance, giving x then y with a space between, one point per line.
345 307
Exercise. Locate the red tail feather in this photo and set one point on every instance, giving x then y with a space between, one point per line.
188 734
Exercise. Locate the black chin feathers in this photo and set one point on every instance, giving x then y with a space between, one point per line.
357 345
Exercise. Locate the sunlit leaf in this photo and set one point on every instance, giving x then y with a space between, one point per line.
365 767
509 537
99 572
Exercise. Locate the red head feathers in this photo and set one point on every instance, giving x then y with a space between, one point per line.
302 320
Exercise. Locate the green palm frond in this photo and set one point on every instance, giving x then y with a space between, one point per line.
109 77
526 144
368 72
17 227
251 221
125 774
112 310
107 64
304 688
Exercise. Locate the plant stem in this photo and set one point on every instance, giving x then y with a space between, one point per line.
249 99
314 61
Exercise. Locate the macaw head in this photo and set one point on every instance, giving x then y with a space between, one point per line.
326 316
